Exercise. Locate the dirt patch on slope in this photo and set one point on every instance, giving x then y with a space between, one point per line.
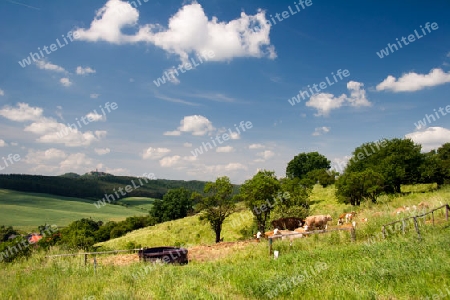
200 253
217 251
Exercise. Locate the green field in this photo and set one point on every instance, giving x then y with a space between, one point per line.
28 210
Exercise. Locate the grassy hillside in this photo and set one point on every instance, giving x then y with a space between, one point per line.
327 266
190 231
186 231
28 210
322 267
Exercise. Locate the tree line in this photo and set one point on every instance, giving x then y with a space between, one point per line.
92 187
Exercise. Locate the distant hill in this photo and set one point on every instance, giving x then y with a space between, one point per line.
29 210
94 185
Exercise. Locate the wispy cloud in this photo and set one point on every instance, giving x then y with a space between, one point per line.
84 71
46 65
26 5
320 130
174 100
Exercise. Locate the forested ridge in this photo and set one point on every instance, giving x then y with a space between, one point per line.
90 186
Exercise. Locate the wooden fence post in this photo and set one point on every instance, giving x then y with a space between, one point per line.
353 234
447 207
403 226
85 259
417 227
270 247
432 216
383 231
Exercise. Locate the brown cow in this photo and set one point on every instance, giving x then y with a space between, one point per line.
401 210
347 216
319 221
423 205
288 223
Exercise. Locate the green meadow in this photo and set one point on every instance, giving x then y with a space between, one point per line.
26 211
326 266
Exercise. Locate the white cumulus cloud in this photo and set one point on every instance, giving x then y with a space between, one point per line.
430 138
188 32
84 71
101 151
196 125
325 103
255 146
41 157
412 82
46 65
76 162
65 81
94 117
22 112
266 154
321 130
154 153
225 149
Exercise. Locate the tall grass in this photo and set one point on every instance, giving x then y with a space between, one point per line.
397 268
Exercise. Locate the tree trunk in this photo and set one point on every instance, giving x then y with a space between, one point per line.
217 230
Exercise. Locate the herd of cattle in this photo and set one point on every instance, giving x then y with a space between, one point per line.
319 222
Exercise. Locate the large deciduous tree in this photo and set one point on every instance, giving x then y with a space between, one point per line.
292 201
322 176
217 204
353 187
396 160
258 194
303 163
443 154
176 204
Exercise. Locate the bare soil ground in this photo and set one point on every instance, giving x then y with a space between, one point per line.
201 253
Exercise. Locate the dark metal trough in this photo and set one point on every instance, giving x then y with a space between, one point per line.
170 255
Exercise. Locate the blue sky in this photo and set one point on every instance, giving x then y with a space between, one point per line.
117 50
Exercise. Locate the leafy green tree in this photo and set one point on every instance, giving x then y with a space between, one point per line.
397 160
443 154
217 204
104 232
303 163
118 231
322 176
432 170
6 232
176 204
353 187
14 249
258 194
80 234
292 200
